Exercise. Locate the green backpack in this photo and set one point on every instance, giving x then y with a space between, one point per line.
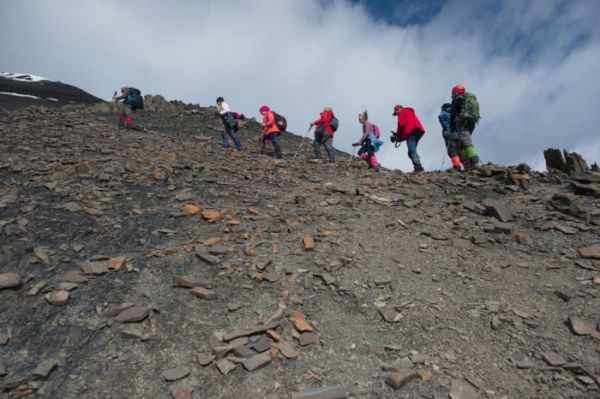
470 109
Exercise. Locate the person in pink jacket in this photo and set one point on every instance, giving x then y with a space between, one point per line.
369 142
270 130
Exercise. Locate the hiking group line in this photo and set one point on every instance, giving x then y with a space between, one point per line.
458 119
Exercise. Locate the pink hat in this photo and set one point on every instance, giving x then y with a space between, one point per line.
264 108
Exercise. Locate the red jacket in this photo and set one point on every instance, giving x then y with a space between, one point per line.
269 124
325 119
407 123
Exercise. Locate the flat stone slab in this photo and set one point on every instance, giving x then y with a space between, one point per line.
497 210
321 393
204 293
94 268
192 282
462 390
591 252
44 368
175 373
401 377
250 331
134 314
9 280
257 361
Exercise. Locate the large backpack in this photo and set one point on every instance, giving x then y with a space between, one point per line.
135 98
334 123
470 109
280 121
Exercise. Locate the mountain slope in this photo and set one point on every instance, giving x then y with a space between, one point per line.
390 271
24 90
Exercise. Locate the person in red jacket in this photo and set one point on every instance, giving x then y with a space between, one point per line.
324 134
270 130
410 130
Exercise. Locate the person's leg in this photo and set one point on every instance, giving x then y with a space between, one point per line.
274 137
317 145
469 150
235 138
411 142
224 139
128 116
328 144
452 147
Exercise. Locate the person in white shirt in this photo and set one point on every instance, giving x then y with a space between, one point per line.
230 125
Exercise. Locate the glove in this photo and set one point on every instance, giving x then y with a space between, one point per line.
393 139
355 144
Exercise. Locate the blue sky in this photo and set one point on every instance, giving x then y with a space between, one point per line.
533 64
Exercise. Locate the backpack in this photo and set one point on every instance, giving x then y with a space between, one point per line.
334 123
376 131
470 109
280 121
135 98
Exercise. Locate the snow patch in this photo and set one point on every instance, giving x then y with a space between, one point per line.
22 77
8 93
52 99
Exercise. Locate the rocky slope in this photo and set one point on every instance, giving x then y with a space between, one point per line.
154 264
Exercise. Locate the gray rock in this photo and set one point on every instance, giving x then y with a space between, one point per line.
401 377
175 373
257 361
225 366
218 250
204 293
262 344
389 314
308 338
134 314
205 359
192 282
553 359
286 349
244 352
44 368
208 258
462 390
497 210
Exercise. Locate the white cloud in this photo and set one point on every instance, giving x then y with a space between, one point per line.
531 64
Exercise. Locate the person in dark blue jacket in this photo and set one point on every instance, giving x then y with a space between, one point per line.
451 138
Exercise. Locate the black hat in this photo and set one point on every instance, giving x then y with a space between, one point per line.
220 99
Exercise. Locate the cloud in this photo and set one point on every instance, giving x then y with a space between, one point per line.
532 64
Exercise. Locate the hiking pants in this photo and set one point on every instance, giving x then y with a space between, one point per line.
230 133
452 145
411 142
325 140
273 138
367 154
466 144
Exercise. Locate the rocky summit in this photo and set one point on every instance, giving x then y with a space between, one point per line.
151 263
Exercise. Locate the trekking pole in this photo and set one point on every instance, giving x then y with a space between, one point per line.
302 142
351 156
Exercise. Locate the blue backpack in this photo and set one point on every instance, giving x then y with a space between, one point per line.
135 98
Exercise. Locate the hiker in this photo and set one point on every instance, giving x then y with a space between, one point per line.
369 141
410 130
463 118
230 125
131 99
450 137
326 127
271 131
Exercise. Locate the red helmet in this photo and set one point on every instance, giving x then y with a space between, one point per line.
458 89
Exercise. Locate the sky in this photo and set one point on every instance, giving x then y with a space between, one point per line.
532 64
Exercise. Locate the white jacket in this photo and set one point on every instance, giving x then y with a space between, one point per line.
223 109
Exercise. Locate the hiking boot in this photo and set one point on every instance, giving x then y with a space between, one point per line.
419 168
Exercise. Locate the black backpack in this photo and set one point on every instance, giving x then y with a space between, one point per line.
334 123
280 121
